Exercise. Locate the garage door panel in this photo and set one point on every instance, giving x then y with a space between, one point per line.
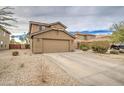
55 46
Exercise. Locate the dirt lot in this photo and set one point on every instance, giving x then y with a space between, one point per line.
31 69
70 68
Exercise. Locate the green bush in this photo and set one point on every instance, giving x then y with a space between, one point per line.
100 46
99 49
84 47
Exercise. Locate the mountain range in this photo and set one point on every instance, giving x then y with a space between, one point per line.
94 32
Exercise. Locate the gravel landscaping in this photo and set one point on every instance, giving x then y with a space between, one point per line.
31 69
68 68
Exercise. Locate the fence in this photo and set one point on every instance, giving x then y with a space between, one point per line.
19 46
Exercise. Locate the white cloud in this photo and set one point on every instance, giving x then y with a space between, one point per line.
76 18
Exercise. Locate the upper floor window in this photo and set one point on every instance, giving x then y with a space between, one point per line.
42 28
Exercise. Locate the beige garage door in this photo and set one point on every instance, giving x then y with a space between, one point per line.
50 46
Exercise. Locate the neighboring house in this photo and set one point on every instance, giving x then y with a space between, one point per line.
53 37
80 36
4 39
102 38
89 38
85 38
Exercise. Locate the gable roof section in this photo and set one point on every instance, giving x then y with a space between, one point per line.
58 23
38 23
46 24
40 32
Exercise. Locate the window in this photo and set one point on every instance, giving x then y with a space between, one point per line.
42 28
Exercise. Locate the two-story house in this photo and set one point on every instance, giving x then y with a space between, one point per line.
4 39
83 38
50 37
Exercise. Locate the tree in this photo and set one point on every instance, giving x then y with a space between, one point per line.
12 41
6 18
118 32
24 38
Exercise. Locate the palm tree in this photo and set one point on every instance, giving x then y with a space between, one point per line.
6 18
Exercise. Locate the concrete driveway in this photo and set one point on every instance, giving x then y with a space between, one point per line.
91 68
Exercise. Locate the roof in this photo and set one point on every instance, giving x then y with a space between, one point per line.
38 23
3 29
85 34
103 36
44 24
47 24
40 32
58 23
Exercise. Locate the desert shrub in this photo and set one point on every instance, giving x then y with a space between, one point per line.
15 53
84 47
27 46
100 46
113 51
22 65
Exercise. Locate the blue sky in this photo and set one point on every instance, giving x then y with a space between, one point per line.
80 18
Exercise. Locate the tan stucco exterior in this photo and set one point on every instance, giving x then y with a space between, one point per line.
53 39
34 28
4 40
